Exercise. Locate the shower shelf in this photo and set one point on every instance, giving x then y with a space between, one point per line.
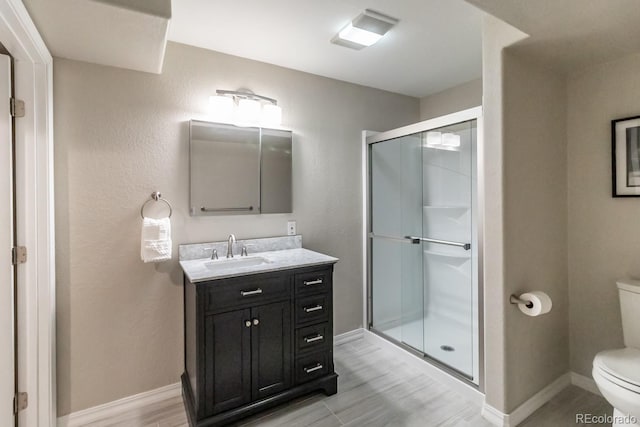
446 210
461 256
462 208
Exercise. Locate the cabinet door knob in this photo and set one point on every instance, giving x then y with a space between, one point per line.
256 322
247 323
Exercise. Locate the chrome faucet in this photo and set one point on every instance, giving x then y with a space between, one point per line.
214 253
230 242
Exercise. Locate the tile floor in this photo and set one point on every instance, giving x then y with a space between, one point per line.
374 390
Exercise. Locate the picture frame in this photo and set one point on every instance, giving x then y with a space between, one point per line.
625 157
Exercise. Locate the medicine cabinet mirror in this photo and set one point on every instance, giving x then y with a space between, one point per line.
239 170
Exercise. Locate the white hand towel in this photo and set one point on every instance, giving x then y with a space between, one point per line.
155 245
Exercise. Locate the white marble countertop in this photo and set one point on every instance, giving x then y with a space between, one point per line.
204 269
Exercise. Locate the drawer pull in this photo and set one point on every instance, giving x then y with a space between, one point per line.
313 339
312 309
315 368
249 293
313 282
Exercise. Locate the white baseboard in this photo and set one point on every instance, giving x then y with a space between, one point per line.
521 413
356 334
540 398
470 393
117 407
585 383
494 416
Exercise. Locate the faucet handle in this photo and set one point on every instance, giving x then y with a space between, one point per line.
214 253
244 251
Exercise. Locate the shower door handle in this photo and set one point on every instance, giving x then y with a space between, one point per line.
416 240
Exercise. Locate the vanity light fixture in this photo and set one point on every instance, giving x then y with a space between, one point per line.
221 108
271 114
365 30
245 108
248 111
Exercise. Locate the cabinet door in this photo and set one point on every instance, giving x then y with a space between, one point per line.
271 352
227 382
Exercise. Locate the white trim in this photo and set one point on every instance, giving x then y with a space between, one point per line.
137 402
347 337
523 411
365 226
7 313
540 398
585 383
494 416
437 122
470 393
35 212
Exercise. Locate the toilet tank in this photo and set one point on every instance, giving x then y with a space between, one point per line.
629 291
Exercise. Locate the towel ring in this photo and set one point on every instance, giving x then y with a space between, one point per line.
156 196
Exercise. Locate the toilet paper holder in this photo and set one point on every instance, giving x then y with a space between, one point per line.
515 300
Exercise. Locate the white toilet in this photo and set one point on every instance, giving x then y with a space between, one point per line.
617 372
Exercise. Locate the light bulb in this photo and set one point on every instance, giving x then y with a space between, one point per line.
271 115
221 108
248 111
359 35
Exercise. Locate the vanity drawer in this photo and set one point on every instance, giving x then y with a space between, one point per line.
314 308
313 338
312 366
313 282
247 290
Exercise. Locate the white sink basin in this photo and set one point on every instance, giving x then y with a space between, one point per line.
233 263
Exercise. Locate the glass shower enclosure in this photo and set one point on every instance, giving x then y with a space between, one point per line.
423 288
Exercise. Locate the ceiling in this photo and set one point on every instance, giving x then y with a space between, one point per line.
121 33
437 43
571 34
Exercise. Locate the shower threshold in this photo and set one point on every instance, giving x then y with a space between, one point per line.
461 376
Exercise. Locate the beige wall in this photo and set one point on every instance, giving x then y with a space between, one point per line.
121 135
457 98
535 227
496 35
525 219
604 236
548 150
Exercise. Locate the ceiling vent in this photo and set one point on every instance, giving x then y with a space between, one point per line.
365 30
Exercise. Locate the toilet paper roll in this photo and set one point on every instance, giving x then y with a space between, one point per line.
541 303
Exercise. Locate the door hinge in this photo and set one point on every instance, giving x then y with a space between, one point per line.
20 402
17 107
18 255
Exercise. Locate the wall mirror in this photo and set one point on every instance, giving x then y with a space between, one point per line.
239 170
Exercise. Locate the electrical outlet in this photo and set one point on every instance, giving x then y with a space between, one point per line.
291 228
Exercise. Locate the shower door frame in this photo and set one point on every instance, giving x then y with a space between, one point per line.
370 138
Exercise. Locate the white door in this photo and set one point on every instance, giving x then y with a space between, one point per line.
7 326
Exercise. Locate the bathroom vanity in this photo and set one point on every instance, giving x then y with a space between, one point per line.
258 328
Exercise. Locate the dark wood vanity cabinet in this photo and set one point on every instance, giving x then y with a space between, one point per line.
253 342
